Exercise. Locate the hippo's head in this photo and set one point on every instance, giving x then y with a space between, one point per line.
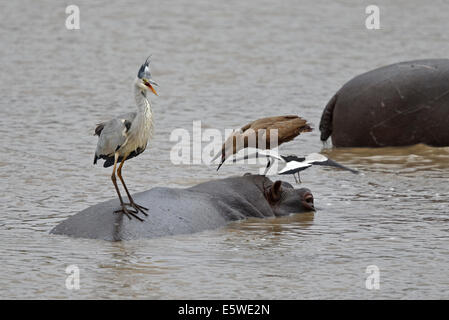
285 200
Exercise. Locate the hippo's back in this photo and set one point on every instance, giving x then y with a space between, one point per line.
172 211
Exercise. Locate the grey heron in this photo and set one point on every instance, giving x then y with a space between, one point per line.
126 136
294 164
287 128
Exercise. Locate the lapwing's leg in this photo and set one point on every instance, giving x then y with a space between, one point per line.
296 179
299 178
131 200
114 181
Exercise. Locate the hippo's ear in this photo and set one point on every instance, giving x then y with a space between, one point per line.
275 191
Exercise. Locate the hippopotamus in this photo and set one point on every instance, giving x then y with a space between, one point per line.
397 105
205 206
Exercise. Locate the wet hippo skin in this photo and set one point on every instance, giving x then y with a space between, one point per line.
397 105
205 206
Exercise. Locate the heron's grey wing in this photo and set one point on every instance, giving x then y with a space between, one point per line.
113 134
127 119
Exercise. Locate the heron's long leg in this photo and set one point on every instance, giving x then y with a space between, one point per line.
114 181
131 200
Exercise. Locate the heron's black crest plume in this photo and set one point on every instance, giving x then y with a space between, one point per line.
144 71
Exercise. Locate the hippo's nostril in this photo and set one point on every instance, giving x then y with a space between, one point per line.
309 198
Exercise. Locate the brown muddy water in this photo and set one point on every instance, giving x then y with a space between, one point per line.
221 63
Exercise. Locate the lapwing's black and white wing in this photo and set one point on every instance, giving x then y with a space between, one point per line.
296 164
293 167
321 160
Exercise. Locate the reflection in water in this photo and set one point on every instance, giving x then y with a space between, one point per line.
213 61
275 225
269 232
402 159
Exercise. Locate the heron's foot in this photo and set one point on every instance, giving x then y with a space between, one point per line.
128 213
138 208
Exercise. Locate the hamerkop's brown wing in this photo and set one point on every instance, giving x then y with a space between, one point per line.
288 127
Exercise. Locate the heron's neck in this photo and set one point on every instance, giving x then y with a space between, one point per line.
142 102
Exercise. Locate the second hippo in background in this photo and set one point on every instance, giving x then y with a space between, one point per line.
397 105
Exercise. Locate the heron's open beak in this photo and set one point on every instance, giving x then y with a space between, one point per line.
150 83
